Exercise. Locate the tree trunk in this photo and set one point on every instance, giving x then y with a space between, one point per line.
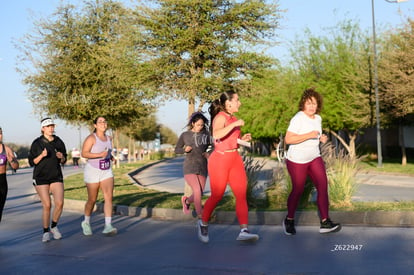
350 148
129 149
117 147
200 106
135 151
191 106
402 144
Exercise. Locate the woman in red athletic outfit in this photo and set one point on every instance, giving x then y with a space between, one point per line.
225 165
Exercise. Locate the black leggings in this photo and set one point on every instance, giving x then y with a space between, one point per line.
3 192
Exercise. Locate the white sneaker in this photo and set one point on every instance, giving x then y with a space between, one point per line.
245 235
56 233
86 228
109 230
202 232
46 237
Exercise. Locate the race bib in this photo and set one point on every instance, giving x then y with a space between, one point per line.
104 164
3 160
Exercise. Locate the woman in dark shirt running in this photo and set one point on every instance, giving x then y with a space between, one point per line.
194 143
47 154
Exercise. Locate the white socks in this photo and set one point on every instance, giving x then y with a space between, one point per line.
108 220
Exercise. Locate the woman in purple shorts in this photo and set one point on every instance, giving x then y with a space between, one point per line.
6 155
97 148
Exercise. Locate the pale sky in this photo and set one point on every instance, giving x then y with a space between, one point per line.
21 126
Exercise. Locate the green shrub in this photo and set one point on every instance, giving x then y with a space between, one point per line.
253 168
157 155
279 189
341 171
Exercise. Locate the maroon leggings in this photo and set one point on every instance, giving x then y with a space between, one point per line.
227 168
298 173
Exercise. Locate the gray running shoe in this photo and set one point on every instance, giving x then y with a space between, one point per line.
202 232
109 230
46 237
245 235
86 228
56 233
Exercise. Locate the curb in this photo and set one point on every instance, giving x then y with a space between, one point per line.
349 218
365 218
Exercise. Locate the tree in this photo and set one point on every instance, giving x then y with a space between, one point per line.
168 136
396 75
268 109
338 65
195 49
82 64
142 128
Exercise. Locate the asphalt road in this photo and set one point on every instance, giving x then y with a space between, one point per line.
149 246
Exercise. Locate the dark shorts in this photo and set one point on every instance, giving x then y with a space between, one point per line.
45 182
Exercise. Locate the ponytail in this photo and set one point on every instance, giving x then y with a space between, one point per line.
218 105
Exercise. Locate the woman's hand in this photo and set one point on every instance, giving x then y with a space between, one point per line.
43 153
314 134
247 137
323 138
188 149
104 153
59 155
238 123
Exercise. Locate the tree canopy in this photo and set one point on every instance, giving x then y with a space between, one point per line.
84 65
196 48
397 72
338 65
271 104
106 59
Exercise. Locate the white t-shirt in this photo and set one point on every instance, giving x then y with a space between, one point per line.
307 150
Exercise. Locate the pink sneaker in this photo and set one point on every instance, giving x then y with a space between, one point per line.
186 206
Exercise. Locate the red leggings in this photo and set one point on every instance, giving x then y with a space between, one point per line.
298 173
227 168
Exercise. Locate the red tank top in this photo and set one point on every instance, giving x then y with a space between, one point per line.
228 142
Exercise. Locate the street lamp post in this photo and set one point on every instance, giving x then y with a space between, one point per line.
377 108
374 42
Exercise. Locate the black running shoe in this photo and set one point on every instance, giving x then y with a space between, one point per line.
289 226
328 226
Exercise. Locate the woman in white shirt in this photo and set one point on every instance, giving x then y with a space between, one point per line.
304 159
